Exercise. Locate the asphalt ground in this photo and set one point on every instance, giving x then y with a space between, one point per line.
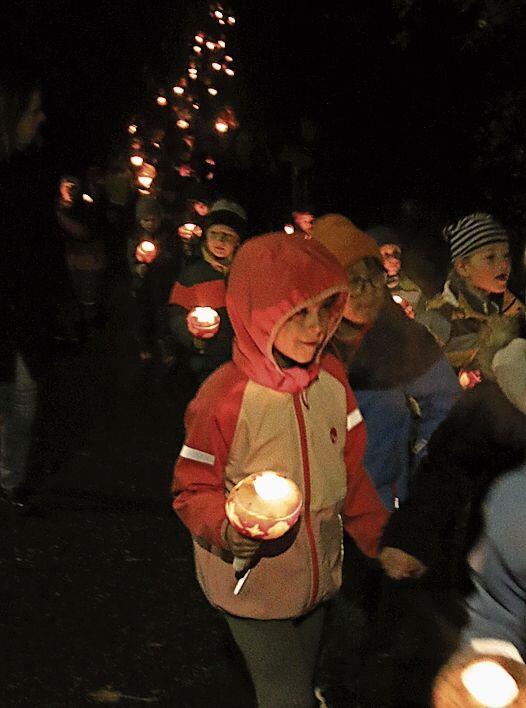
100 605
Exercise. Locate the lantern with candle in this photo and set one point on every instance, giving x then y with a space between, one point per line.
264 505
405 305
203 323
472 680
146 251
145 176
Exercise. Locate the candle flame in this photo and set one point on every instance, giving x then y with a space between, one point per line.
490 684
221 126
205 315
136 160
190 227
270 486
87 198
397 299
289 229
147 246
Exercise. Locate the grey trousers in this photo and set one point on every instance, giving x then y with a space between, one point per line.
281 657
18 404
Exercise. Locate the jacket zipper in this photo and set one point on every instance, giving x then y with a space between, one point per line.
307 499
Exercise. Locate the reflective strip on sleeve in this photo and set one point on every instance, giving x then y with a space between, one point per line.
419 446
354 418
197 455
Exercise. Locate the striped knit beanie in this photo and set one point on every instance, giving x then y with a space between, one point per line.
473 232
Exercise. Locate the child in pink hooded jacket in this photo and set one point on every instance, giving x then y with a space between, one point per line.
280 404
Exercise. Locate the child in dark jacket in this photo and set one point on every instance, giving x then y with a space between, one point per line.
280 404
202 283
151 253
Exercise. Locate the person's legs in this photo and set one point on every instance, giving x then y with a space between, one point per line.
280 656
19 403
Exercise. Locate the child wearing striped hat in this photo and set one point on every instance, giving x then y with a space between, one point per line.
475 290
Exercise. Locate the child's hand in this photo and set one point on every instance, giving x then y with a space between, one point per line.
398 564
241 546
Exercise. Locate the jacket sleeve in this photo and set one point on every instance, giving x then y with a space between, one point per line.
363 513
435 391
178 327
198 485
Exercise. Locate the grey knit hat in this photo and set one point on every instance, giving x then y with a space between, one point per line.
509 365
473 232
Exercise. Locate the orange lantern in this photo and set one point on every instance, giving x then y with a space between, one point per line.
264 505
472 680
203 323
146 251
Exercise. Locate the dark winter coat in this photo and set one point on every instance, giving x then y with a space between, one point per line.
31 265
483 437
199 285
398 364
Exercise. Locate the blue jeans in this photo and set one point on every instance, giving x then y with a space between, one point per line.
18 403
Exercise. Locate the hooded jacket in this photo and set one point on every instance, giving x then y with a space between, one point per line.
252 415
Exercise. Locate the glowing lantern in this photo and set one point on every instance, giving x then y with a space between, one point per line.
136 160
218 14
221 43
229 72
146 252
132 129
196 106
288 229
146 175
210 161
221 126
188 231
161 101
212 91
216 66
228 57
210 45
262 506
405 305
203 323
199 38
87 198
469 379
197 49
231 20
474 680
221 22
183 124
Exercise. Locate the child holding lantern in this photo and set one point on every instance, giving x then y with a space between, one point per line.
202 284
281 405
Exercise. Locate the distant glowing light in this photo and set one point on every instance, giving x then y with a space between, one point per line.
231 20
87 198
161 100
183 124
132 129
221 43
490 684
216 66
197 49
196 106
218 14
179 90
210 45
288 229
136 160
221 126
228 57
229 72
199 38
212 91
221 22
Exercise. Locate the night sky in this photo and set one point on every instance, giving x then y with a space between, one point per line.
397 103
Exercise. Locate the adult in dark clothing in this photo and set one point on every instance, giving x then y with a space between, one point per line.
26 317
483 438
403 383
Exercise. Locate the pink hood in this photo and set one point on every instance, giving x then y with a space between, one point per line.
272 277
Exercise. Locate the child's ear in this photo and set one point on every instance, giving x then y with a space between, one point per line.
461 266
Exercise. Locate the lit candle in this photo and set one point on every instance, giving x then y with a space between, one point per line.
161 101
183 124
229 72
216 66
203 323
132 129
221 126
218 14
231 20
264 505
146 251
199 38
212 91
289 229
490 684
221 43
210 45
136 160
87 198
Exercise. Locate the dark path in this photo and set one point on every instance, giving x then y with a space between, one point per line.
98 591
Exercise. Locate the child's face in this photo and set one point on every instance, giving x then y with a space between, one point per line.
221 241
201 208
391 257
150 223
302 334
367 293
304 221
487 269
